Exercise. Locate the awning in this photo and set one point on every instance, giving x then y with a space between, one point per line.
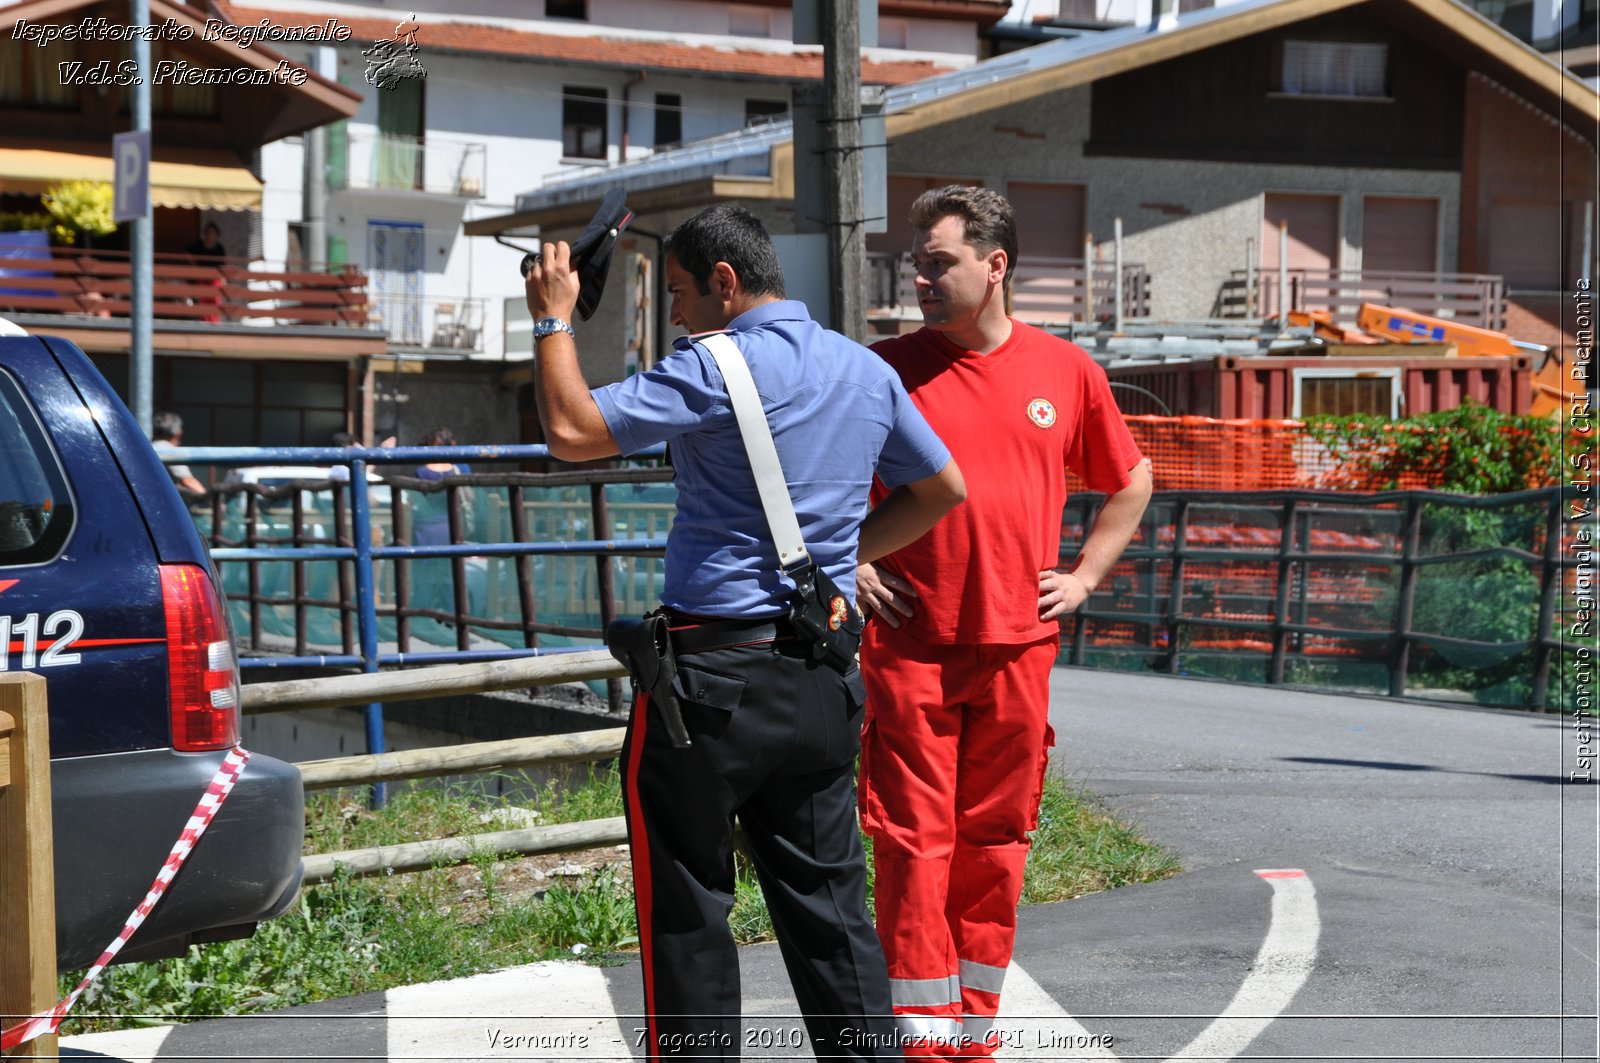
195 178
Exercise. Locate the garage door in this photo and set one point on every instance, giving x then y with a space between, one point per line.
1313 245
1399 233
1525 243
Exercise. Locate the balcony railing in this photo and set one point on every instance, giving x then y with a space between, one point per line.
186 287
1045 291
382 161
1470 298
430 322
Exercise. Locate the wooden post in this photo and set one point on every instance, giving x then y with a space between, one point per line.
841 137
1088 278
27 860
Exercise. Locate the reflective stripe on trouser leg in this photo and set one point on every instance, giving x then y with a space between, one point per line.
980 1003
927 1013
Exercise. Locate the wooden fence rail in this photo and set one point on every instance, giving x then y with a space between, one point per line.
473 758
27 860
98 283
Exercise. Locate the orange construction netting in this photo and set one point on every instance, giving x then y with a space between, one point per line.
1212 454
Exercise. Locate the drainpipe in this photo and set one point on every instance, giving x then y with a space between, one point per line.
1283 276
314 182
1116 243
626 85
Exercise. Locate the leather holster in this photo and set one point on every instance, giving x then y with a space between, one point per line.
644 647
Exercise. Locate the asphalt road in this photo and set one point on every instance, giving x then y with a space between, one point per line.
1446 910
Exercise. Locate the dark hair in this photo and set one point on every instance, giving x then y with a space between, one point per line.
731 234
988 223
166 425
342 439
439 437
211 227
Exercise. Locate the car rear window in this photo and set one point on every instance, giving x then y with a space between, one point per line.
35 505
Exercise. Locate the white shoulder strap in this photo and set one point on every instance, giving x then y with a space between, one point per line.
757 434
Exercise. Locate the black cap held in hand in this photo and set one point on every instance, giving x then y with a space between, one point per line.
591 251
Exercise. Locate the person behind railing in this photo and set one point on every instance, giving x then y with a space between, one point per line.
209 245
432 584
430 521
166 433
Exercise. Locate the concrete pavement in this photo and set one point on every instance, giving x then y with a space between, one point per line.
1447 908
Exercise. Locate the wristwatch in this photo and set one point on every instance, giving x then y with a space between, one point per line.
546 326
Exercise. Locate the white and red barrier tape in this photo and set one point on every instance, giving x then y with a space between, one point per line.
216 793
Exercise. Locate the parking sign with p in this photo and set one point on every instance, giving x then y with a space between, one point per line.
130 157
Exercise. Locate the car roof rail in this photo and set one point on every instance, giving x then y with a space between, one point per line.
11 328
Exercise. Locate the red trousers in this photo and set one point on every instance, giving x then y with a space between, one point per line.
953 755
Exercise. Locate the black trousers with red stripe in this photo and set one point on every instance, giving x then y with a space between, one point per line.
775 737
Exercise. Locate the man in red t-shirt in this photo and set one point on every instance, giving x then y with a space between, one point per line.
965 624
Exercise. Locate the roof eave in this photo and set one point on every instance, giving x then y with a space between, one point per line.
685 195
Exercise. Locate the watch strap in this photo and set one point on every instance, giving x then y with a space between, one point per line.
549 326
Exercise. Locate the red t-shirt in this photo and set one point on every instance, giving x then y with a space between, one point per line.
1014 419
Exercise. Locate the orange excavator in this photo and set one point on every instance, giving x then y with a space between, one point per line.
1380 325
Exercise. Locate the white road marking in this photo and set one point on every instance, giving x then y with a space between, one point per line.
1281 968
557 1010
1030 1020
1034 1021
132 1046
561 1010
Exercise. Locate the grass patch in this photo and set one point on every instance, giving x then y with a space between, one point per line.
351 935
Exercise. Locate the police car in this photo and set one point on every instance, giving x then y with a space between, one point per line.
106 590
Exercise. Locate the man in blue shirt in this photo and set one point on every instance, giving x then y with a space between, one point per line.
774 733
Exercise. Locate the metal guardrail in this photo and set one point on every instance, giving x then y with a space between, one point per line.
351 541
1297 575
1300 578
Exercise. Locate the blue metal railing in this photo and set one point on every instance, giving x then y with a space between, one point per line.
364 555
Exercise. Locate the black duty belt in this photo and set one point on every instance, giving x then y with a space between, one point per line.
650 647
693 635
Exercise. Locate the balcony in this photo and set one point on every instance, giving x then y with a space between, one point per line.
98 284
1045 291
1470 298
381 162
430 324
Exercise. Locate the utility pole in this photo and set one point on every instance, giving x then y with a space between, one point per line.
841 139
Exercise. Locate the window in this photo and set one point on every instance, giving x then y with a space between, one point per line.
758 111
583 123
175 97
578 10
1339 392
400 135
1342 69
30 73
669 119
35 507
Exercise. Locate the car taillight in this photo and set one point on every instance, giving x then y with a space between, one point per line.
203 681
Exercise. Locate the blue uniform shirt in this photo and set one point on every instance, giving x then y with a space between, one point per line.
838 415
